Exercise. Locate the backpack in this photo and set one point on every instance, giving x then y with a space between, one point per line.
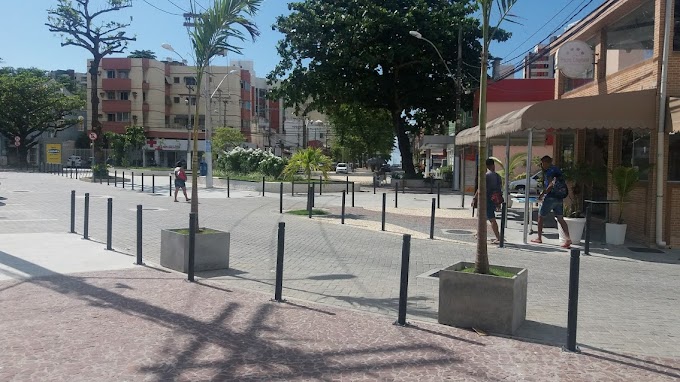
560 189
181 175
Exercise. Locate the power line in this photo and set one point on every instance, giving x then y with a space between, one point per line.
162 10
180 8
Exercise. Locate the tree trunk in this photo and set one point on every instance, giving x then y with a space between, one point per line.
482 259
95 125
194 159
404 144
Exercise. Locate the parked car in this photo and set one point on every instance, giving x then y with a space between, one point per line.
520 184
341 168
386 168
74 161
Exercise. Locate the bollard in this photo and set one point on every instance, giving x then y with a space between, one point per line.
313 193
228 186
133 181
432 220
352 194
170 185
342 219
504 213
375 180
192 245
123 179
572 315
310 194
396 195
263 186
439 195
384 204
403 287
281 198
77 172
279 262
73 211
108 181
139 235
320 185
153 183
142 182
292 188
347 183
109 223
587 238
86 218
115 178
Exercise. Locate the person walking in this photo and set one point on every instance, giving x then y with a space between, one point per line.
552 196
180 180
494 186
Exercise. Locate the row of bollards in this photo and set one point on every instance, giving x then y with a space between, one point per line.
109 223
73 172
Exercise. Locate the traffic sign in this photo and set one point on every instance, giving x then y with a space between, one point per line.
93 136
17 143
17 139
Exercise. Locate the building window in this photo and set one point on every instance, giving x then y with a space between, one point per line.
123 117
676 30
110 95
631 39
176 99
246 105
245 85
123 74
144 96
111 117
674 157
110 74
124 96
191 81
175 80
635 151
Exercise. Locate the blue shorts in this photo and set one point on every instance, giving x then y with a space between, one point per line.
179 183
551 204
490 209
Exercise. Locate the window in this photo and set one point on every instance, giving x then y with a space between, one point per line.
245 85
110 74
674 157
191 81
631 39
124 96
635 151
246 105
176 100
676 31
175 80
110 95
111 117
123 117
123 74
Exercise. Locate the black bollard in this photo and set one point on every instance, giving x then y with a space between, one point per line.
347 183
403 287
292 188
139 235
170 185
587 238
375 181
396 195
279 262
133 181
86 217
320 185
310 195
342 219
263 186
142 182
77 172
572 315
73 211
281 198
123 179
153 183
432 220
228 186
109 223
192 245
384 205
504 213
313 193
352 194
115 178
439 193
108 182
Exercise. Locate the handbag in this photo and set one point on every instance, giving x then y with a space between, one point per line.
497 198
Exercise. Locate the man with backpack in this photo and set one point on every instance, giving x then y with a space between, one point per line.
554 191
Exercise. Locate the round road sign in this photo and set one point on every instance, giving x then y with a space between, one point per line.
93 136
17 143
17 139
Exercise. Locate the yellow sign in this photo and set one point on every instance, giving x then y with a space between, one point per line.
53 151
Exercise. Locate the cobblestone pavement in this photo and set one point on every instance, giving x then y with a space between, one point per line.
151 325
628 302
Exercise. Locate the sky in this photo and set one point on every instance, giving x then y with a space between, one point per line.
27 42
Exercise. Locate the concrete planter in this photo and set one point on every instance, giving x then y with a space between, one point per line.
212 250
615 233
490 303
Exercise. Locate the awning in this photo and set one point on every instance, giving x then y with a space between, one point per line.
436 142
630 110
674 114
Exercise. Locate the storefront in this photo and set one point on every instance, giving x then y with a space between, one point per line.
164 152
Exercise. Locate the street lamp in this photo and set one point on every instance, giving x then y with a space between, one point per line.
419 36
169 47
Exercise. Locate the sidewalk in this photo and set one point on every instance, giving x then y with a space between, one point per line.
150 324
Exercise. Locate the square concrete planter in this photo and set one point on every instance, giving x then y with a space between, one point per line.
212 250
491 303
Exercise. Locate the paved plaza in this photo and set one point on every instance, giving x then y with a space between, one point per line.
628 305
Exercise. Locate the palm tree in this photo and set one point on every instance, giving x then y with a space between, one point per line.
309 160
209 37
504 6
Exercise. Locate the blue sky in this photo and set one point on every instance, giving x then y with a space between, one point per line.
27 42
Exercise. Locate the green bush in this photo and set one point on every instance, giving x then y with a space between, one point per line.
247 161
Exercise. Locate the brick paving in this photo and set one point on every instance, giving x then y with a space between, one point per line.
628 302
151 325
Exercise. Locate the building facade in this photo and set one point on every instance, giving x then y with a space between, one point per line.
539 63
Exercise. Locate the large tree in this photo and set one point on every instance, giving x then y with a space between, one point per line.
360 51
81 26
31 104
358 132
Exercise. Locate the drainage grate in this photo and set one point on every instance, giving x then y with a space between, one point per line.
458 231
645 250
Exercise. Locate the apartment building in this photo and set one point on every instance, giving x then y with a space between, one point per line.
539 63
161 97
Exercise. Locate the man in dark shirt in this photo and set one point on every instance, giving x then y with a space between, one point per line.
550 202
493 184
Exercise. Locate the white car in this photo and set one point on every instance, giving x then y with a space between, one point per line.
341 168
520 184
74 161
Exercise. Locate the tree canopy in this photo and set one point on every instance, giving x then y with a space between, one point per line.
31 104
226 138
142 54
358 131
360 51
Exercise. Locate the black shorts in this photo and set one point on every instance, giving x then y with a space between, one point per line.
179 183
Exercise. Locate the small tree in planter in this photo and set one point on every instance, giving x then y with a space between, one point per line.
624 180
308 160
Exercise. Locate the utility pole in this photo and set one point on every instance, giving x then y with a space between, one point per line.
459 84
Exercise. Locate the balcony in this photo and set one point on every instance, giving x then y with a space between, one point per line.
116 63
116 84
115 127
116 106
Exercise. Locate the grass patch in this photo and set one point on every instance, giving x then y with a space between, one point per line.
185 231
306 212
492 271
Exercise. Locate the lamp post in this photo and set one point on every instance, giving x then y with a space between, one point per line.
169 47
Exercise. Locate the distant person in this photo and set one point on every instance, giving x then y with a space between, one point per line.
494 185
552 197
180 180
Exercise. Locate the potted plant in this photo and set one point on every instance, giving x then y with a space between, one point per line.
624 180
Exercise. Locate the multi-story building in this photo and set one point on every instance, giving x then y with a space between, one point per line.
161 97
539 63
